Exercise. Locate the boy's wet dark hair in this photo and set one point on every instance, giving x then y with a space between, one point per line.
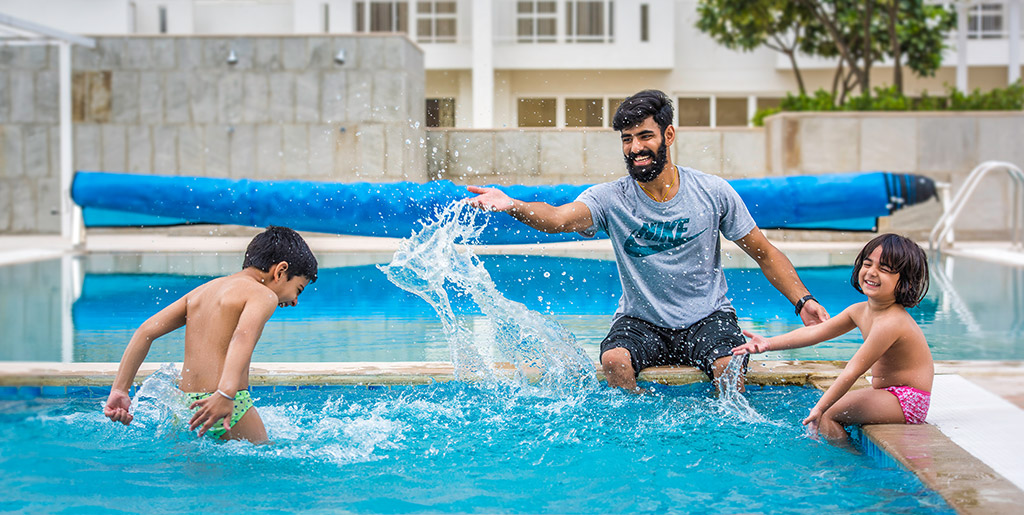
277 244
904 257
635 109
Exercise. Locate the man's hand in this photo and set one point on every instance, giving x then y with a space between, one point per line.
490 199
211 409
757 344
813 313
116 408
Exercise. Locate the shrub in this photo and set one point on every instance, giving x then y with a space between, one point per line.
1010 98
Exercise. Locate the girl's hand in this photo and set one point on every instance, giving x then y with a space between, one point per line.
211 409
757 344
812 421
117 406
490 199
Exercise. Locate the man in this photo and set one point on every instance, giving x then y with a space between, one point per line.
664 223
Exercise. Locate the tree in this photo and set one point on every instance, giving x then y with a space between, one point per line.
857 33
748 24
863 32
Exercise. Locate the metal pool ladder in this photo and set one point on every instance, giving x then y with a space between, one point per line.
943 230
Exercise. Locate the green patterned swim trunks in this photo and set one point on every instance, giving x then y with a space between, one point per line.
243 401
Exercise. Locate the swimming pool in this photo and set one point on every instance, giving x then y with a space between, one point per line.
974 310
448 448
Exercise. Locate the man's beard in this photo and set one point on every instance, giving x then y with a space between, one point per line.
650 172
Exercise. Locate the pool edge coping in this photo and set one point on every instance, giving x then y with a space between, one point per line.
967 484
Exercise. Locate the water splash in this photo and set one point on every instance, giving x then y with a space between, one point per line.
731 400
159 404
431 262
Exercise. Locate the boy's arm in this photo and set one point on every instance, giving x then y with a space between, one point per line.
777 268
571 217
219 406
883 334
797 338
163 322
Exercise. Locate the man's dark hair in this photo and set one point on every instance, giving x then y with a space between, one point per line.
277 244
635 109
904 257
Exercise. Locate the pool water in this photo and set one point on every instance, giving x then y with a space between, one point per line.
974 310
449 448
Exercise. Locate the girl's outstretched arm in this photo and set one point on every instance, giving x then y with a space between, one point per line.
884 333
803 337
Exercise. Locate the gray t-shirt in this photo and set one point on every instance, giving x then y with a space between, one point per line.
669 253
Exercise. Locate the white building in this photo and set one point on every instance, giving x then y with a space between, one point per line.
509 63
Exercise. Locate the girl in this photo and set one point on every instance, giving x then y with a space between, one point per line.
892 271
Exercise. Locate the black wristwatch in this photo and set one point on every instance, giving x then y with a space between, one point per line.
800 303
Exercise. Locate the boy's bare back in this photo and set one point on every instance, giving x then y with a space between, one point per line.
214 314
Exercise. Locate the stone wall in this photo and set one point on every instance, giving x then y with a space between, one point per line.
285 110
945 146
579 155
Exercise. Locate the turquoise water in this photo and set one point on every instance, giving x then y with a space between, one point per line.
449 448
353 313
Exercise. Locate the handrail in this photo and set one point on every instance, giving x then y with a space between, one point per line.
945 224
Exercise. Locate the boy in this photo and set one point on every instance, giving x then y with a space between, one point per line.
223 320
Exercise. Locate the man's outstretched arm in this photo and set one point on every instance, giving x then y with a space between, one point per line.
780 272
571 217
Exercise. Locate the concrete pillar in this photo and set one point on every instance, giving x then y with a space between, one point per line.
961 45
1013 15
483 65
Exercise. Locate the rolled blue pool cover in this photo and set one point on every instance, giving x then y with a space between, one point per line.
848 201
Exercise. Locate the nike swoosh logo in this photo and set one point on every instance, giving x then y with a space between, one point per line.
636 249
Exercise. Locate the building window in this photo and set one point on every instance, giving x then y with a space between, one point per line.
985 21
536 22
768 102
162 17
645 23
589 21
435 22
440 112
584 112
537 112
731 112
382 16
694 112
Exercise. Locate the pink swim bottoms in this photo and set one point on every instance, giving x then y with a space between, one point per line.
913 402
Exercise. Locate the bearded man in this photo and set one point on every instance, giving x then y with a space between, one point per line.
664 223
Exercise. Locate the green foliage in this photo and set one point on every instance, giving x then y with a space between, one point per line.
1010 98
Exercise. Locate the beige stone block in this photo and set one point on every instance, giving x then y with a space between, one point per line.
829 145
470 155
602 156
700 149
947 143
743 154
516 154
370 152
999 139
436 154
560 152
887 144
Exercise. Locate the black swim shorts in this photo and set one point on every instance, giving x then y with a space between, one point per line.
698 345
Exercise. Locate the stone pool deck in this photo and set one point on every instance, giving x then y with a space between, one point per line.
969 452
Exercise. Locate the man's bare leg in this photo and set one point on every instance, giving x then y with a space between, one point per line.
718 368
617 364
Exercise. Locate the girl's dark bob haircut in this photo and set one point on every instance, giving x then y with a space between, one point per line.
904 257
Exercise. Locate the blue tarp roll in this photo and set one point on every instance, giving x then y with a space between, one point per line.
850 201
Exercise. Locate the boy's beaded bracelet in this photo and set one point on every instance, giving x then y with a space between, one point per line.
800 303
226 396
